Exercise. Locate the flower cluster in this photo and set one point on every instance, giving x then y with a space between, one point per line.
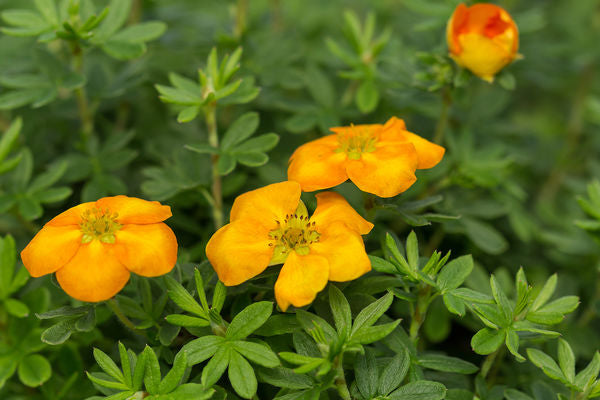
94 246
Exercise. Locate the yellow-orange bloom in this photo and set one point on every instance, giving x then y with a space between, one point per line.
482 38
271 226
379 159
94 246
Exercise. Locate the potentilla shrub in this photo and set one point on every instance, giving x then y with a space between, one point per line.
173 247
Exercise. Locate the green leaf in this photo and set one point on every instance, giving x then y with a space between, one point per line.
219 296
412 251
29 208
143 32
9 137
48 178
382 265
257 353
370 334
226 163
485 236
66 311
365 370
487 340
24 18
188 114
202 348
241 376
108 365
546 363
58 333
118 11
298 359
183 298
170 94
34 370
139 371
340 308
420 390
48 9
105 382
175 375
252 159
512 343
53 195
240 130
367 96
152 371
126 365
284 378
202 148
472 296
185 320
562 305
319 86
216 366
454 273
394 372
513 394
370 314
260 143
122 50
546 292
439 362
454 304
18 98
566 360
589 373
504 305
249 319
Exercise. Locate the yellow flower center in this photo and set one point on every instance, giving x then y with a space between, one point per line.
99 224
295 232
357 141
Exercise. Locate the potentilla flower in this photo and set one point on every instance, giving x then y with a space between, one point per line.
379 159
271 226
94 246
482 38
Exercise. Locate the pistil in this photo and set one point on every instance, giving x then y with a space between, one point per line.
99 224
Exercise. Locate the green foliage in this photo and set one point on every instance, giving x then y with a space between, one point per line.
176 101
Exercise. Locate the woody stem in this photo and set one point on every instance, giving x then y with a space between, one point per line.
210 113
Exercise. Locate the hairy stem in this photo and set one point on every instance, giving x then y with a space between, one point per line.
491 364
114 307
213 140
340 379
442 122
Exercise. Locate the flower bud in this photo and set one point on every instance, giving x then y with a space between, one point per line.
482 38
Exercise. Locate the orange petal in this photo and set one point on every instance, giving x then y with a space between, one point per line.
132 210
300 279
332 207
267 204
344 250
240 251
387 171
147 250
316 165
93 274
428 153
50 249
72 216
457 20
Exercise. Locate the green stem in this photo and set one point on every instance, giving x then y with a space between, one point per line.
213 140
86 115
488 362
419 313
442 122
114 307
491 364
340 379
349 94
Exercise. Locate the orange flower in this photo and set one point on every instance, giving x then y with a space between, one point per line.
482 38
94 246
271 226
379 159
